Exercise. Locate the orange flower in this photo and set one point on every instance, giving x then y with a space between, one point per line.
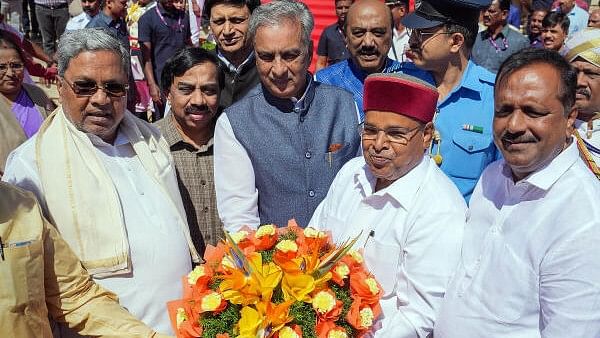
326 305
361 316
289 332
366 287
328 329
340 272
265 237
210 301
222 335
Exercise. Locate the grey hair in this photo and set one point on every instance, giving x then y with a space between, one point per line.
273 13
72 43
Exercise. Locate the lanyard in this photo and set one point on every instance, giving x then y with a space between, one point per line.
179 26
504 44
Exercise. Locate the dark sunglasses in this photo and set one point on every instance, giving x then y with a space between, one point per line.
89 88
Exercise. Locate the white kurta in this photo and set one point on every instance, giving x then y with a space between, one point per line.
530 262
158 248
412 232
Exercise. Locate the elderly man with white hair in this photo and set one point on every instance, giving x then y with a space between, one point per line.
107 180
583 52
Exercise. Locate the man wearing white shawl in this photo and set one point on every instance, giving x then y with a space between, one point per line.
107 180
582 50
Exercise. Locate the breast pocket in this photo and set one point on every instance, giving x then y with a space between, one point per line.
336 159
507 287
383 261
470 154
22 276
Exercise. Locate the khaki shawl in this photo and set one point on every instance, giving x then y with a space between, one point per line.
82 199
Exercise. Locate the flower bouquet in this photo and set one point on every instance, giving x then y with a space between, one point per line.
278 282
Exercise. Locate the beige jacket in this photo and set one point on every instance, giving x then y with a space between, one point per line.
41 277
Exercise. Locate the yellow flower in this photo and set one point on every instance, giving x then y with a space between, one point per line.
366 317
372 285
238 236
265 230
288 332
227 262
297 287
342 270
313 233
211 301
195 274
249 322
356 255
287 246
323 302
181 316
337 334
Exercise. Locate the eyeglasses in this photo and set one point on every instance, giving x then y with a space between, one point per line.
394 134
15 66
420 36
89 88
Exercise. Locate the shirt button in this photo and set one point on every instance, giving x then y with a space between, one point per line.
308 154
470 148
296 109
311 193
203 182
205 209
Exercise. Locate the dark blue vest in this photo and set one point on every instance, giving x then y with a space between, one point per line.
289 146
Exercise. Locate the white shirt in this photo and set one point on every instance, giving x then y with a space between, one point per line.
593 143
235 187
530 262
412 234
78 22
399 43
158 248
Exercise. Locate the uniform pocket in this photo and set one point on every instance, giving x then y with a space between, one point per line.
471 153
22 271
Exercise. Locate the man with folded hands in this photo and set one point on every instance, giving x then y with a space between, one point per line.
409 215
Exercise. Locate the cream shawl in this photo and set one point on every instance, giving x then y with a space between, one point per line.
82 199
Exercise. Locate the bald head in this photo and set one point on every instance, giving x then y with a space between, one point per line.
369 34
594 20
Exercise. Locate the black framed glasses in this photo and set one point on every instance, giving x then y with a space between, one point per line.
15 66
89 88
393 134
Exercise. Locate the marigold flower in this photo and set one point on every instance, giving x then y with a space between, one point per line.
366 317
211 302
313 233
288 332
181 316
287 246
340 272
323 302
195 274
337 333
373 286
357 256
265 230
239 236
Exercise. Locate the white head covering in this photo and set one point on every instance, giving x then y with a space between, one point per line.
584 44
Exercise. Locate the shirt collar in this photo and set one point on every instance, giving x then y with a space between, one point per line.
468 80
503 33
120 140
547 176
299 106
231 66
402 190
389 67
173 136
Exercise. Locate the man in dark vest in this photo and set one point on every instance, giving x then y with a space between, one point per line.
278 149
229 21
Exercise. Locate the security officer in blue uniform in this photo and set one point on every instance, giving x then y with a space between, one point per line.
443 34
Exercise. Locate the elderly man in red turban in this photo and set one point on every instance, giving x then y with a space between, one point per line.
409 215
